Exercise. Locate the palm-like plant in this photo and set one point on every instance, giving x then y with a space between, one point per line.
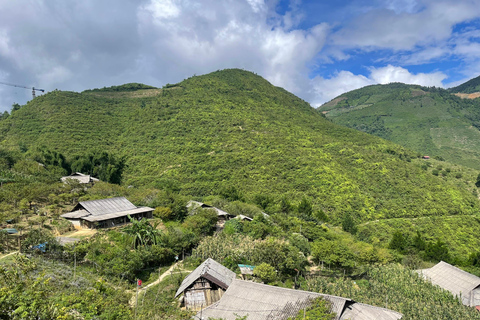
143 233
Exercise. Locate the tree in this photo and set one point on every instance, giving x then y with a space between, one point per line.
305 207
436 251
348 224
319 309
398 242
143 233
265 272
478 181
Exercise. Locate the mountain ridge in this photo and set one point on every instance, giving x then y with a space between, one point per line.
233 129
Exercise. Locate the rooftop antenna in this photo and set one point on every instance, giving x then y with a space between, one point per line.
25 87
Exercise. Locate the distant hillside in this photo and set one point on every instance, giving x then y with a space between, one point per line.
233 133
470 86
431 121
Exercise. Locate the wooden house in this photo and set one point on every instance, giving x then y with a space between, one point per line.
106 213
205 285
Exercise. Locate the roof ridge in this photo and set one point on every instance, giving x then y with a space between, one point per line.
293 290
376 307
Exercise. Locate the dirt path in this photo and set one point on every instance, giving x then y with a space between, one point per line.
160 279
8 254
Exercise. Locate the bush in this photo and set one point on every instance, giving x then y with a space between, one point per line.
265 272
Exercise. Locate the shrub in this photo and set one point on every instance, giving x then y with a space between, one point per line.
265 272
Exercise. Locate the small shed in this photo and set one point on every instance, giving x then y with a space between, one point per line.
106 213
80 177
205 285
426 157
460 283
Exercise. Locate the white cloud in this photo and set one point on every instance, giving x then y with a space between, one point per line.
237 35
399 29
326 89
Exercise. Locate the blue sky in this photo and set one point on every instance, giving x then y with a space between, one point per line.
315 49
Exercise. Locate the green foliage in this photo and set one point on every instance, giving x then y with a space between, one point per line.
265 272
124 87
320 309
245 149
348 225
399 289
37 237
427 120
142 232
233 226
333 253
37 289
437 251
398 242
470 86
102 165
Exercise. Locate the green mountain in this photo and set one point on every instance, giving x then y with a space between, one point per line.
430 121
471 86
233 133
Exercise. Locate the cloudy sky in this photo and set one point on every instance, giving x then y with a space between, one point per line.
316 49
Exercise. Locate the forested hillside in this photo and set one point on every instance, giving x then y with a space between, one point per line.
231 131
332 209
431 121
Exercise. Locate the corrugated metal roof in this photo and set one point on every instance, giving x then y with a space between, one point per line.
106 206
75 214
211 270
108 216
360 311
453 279
264 302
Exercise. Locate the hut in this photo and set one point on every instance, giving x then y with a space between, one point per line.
462 284
205 285
223 216
80 177
106 213
264 302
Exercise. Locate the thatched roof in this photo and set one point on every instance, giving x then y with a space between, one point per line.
264 302
210 270
455 280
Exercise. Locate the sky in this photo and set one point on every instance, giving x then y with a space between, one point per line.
314 49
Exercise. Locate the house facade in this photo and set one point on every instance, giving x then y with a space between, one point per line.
205 285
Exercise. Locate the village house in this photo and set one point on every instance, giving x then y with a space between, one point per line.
205 285
105 213
80 177
223 216
460 283
214 292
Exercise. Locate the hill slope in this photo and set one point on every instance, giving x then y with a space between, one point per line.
430 121
232 128
471 86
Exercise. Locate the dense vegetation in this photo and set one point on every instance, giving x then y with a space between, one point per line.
327 202
470 86
431 121
232 130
